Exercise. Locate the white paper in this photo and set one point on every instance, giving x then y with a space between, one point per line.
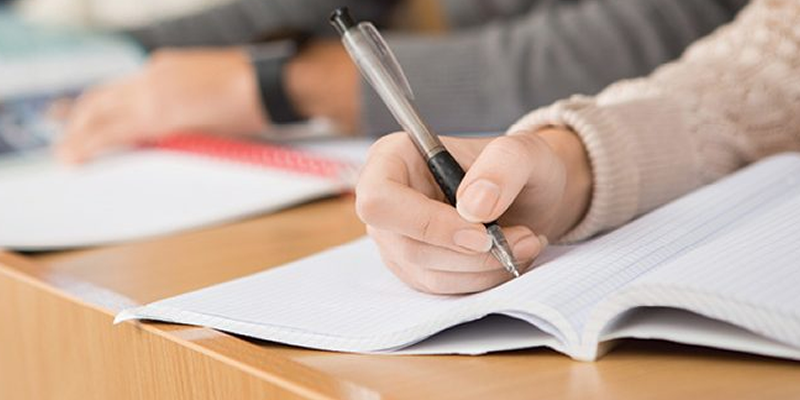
749 277
137 195
345 300
684 327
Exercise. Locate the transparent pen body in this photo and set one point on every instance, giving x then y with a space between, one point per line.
380 67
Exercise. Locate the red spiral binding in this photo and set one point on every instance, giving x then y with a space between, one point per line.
260 154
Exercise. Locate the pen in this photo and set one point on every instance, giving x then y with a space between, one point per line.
379 66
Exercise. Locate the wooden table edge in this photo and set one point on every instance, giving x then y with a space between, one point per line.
12 266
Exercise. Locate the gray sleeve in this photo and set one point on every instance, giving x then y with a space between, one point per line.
483 79
245 21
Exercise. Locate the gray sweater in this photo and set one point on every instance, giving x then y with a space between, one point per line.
503 57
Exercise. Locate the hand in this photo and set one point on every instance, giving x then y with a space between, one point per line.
212 91
322 81
537 183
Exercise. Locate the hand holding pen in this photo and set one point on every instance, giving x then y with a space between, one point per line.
431 245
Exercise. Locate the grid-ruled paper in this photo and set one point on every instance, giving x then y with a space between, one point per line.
579 280
749 277
342 300
345 299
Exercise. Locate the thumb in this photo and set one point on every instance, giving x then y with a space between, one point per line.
498 175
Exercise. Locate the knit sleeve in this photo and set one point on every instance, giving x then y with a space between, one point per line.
483 78
731 99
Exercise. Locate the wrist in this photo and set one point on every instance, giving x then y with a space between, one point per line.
246 88
322 81
569 148
269 63
236 100
299 88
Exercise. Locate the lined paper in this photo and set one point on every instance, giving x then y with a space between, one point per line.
750 276
579 280
345 300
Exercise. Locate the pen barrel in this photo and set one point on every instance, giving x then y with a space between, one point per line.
448 174
374 67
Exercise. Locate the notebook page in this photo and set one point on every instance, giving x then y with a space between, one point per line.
346 300
689 328
749 277
136 195
342 299
576 282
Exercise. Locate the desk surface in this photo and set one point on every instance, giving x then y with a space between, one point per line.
58 341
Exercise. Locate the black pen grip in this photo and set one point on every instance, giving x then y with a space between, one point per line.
448 174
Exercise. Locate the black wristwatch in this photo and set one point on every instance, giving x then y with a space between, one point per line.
269 61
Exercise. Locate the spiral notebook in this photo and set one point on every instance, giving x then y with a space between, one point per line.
718 267
180 183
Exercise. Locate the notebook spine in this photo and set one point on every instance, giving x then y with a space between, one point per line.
257 154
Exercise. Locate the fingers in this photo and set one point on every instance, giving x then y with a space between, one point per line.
432 246
408 251
438 270
387 200
100 120
504 167
60 109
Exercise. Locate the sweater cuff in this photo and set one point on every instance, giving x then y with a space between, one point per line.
641 156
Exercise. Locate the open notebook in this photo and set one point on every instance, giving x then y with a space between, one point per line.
719 267
179 183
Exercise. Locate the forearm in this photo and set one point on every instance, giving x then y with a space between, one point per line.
727 102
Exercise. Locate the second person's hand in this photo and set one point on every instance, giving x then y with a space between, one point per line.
210 91
202 90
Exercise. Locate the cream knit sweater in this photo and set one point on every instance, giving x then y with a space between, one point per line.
732 98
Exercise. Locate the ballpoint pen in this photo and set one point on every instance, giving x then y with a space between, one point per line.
379 66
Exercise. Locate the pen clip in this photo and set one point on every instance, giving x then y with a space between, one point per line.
389 60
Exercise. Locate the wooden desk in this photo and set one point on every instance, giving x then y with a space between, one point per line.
57 340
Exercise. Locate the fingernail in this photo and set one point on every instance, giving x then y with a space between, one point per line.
527 248
478 200
473 240
544 242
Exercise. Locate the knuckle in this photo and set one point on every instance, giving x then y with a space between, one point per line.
369 204
391 143
510 150
425 227
399 271
408 274
430 227
488 262
413 252
431 282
